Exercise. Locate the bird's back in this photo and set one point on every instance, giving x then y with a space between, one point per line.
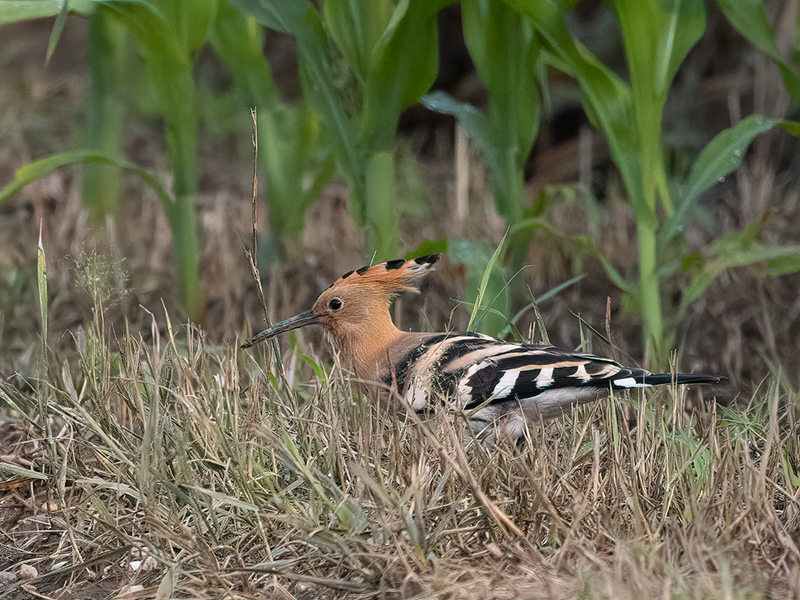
490 378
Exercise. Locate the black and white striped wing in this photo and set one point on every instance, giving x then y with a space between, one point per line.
477 370
521 372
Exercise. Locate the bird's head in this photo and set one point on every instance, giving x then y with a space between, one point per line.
357 304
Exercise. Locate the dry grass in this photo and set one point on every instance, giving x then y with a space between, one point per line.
196 471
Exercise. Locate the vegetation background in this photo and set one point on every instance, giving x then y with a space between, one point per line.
619 176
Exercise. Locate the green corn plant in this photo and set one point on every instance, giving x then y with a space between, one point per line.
653 53
109 63
362 64
495 35
294 156
169 34
657 37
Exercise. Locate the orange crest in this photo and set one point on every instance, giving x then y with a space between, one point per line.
392 277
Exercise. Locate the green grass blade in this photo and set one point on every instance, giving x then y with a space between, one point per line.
481 292
41 284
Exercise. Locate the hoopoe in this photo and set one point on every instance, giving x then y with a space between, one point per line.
500 385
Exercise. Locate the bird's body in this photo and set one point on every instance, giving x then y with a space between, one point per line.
500 385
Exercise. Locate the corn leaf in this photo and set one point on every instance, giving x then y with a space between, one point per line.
58 27
296 160
657 35
109 62
394 65
403 66
291 138
724 154
785 264
791 127
37 169
299 19
238 41
495 35
356 26
736 249
583 243
750 19
380 204
170 33
472 120
22 10
428 247
190 22
719 158
607 100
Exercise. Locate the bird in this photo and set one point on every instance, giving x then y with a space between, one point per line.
501 386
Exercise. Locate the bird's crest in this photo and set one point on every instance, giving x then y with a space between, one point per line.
393 276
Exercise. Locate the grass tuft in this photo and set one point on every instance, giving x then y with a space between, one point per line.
193 471
100 277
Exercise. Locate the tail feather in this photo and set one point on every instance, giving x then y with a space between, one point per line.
644 379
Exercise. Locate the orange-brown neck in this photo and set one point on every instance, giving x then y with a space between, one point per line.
364 347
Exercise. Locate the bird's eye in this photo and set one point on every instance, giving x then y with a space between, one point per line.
335 304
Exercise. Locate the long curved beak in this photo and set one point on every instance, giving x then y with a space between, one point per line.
301 320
